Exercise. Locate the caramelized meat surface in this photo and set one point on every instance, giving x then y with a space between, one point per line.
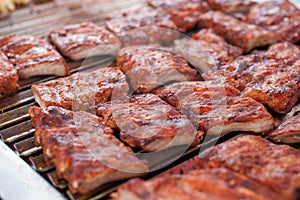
86 39
271 77
231 6
83 149
9 77
147 122
82 90
206 50
217 108
33 56
244 35
280 16
276 166
288 132
200 184
148 68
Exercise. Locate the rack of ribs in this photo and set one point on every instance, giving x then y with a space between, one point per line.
206 50
82 90
147 122
33 56
147 68
217 108
84 150
9 77
239 33
86 39
271 77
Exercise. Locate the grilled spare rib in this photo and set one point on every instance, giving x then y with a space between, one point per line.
33 56
147 122
280 16
86 39
206 50
271 77
288 132
239 33
276 166
185 14
217 108
232 6
84 151
202 184
82 90
148 68
9 77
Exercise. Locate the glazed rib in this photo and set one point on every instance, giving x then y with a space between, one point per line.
215 184
9 77
232 6
288 132
147 122
280 16
86 39
83 149
148 68
244 35
206 50
82 90
271 77
217 108
33 56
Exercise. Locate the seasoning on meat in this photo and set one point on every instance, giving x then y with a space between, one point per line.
206 50
239 33
33 56
86 39
82 90
217 108
231 6
9 77
147 122
148 68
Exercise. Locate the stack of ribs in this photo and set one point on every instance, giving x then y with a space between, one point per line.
247 167
33 56
86 39
270 77
206 50
84 150
217 108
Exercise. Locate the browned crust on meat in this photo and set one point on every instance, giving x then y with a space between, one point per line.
288 132
244 35
149 68
231 6
147 122
9 77
82 90
72 38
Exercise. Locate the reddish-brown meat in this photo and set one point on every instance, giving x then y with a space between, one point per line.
33 56
147 122
185 14
271 77
231 6
83 149
209 50
9 77
82 90
244 35
214 184
86 39
217 108
148 68
276 166
280 16
288 132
